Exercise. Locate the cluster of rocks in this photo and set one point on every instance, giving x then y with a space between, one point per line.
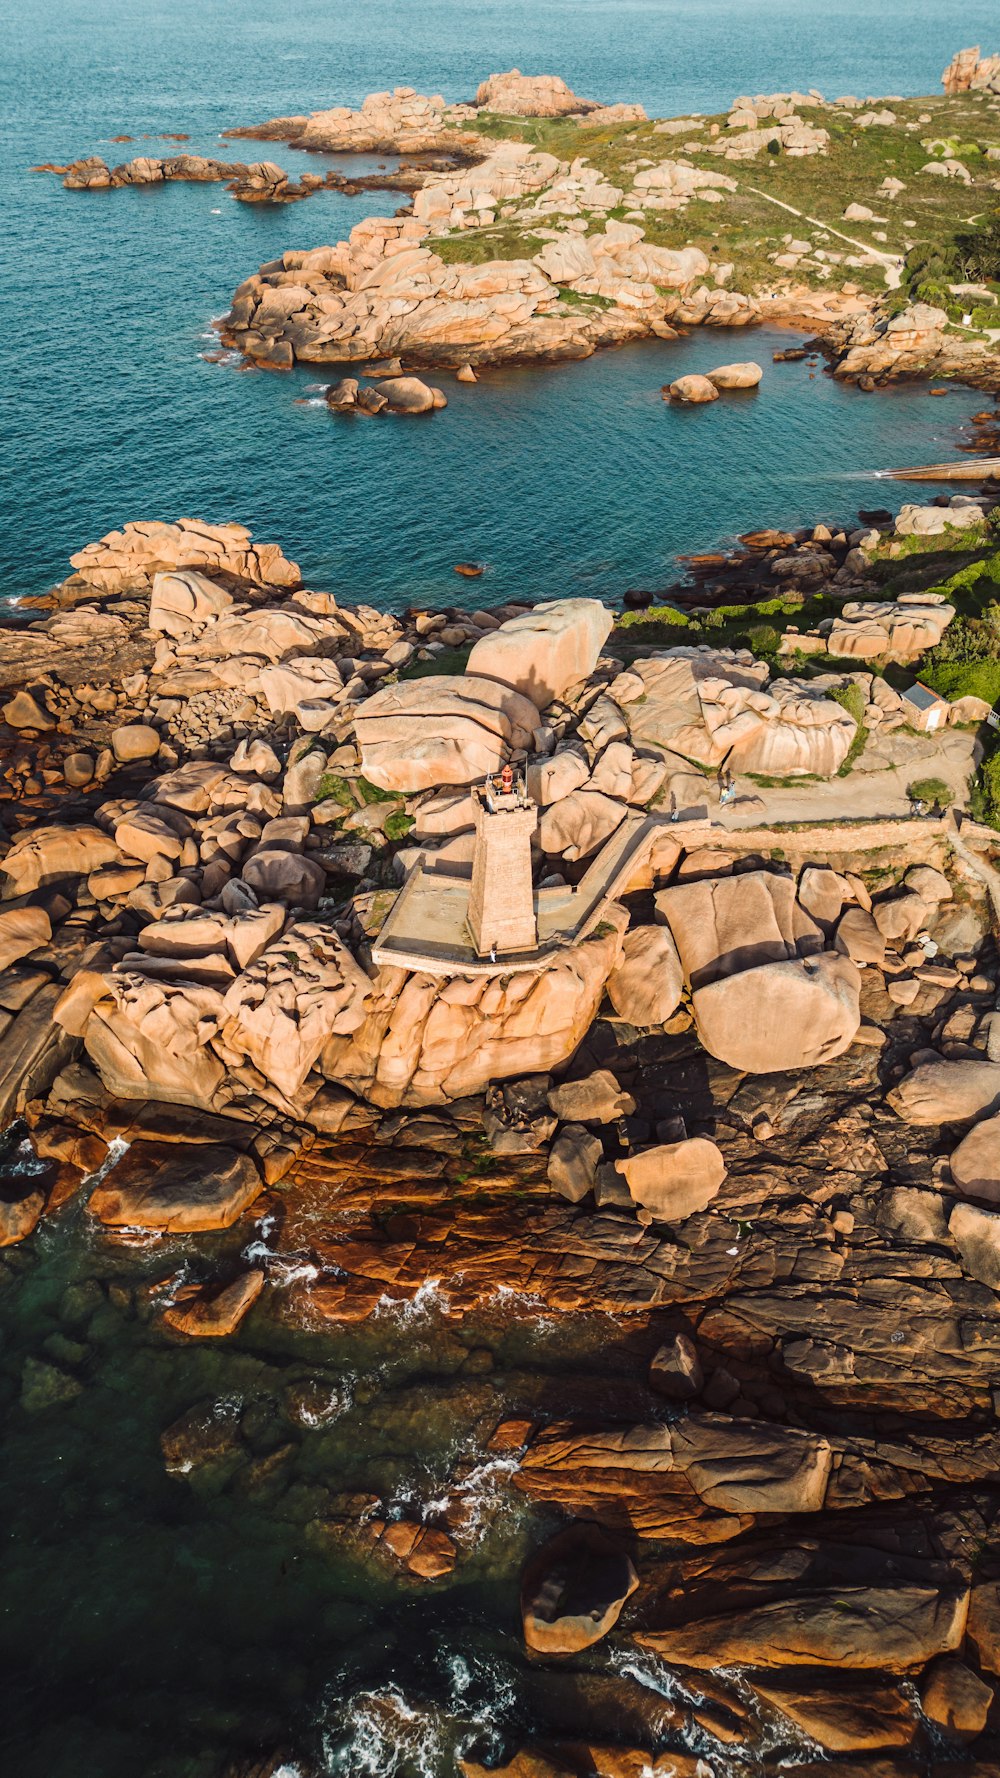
402 121
216 987
696 389
515 180
879 629
409 122
873 345
383 294
770 119
969 72
754 1116
393 394
260 182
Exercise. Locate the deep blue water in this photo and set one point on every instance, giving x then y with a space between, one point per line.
571 478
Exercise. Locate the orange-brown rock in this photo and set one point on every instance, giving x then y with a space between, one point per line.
573 1591
213 1313
178 1190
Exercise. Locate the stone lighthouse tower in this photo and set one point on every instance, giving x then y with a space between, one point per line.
501 900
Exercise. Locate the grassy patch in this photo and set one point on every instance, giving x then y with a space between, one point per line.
931 790
335 789
953 225
450 660
371 793
397 826
574 300
985 799
852 699
477 246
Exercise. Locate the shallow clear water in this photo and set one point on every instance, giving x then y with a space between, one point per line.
159 1623
577 478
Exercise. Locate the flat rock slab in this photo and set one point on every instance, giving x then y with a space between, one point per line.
177 1190
215 1313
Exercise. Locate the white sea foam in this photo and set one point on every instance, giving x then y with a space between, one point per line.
116 1149
382 1734
338 1400
282 1269
427 1301
484 1493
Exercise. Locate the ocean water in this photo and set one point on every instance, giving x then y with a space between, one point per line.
572 479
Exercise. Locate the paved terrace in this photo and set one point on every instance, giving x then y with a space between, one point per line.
427 931
427 928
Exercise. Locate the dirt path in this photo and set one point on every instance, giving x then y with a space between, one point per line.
866 793
891 260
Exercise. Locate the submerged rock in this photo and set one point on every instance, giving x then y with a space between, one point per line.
215 1313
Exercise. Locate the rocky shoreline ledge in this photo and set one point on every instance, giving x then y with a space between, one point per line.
554 225
569 231
746 1104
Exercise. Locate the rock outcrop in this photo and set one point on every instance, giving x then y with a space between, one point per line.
449 730
547 651
384 293
127 559
573 1592
968 71
716 706
765 993
176 1190
542 95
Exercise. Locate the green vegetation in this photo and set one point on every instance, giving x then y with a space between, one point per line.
972 679
371 793
656 624
476 246
966 661
397 825
450 660
980 249
985 800
956 233
334 789
351 793
576 301
931 790
852 699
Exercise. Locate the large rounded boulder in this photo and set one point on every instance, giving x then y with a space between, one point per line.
646 986
781 1017
573 1591
545 651
736 376
766 994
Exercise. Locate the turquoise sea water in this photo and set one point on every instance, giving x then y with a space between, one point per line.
576 478
175 1626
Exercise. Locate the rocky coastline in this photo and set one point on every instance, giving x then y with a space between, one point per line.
751 1116
600 237
583 259
730 1121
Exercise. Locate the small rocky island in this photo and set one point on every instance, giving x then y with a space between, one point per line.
631 974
